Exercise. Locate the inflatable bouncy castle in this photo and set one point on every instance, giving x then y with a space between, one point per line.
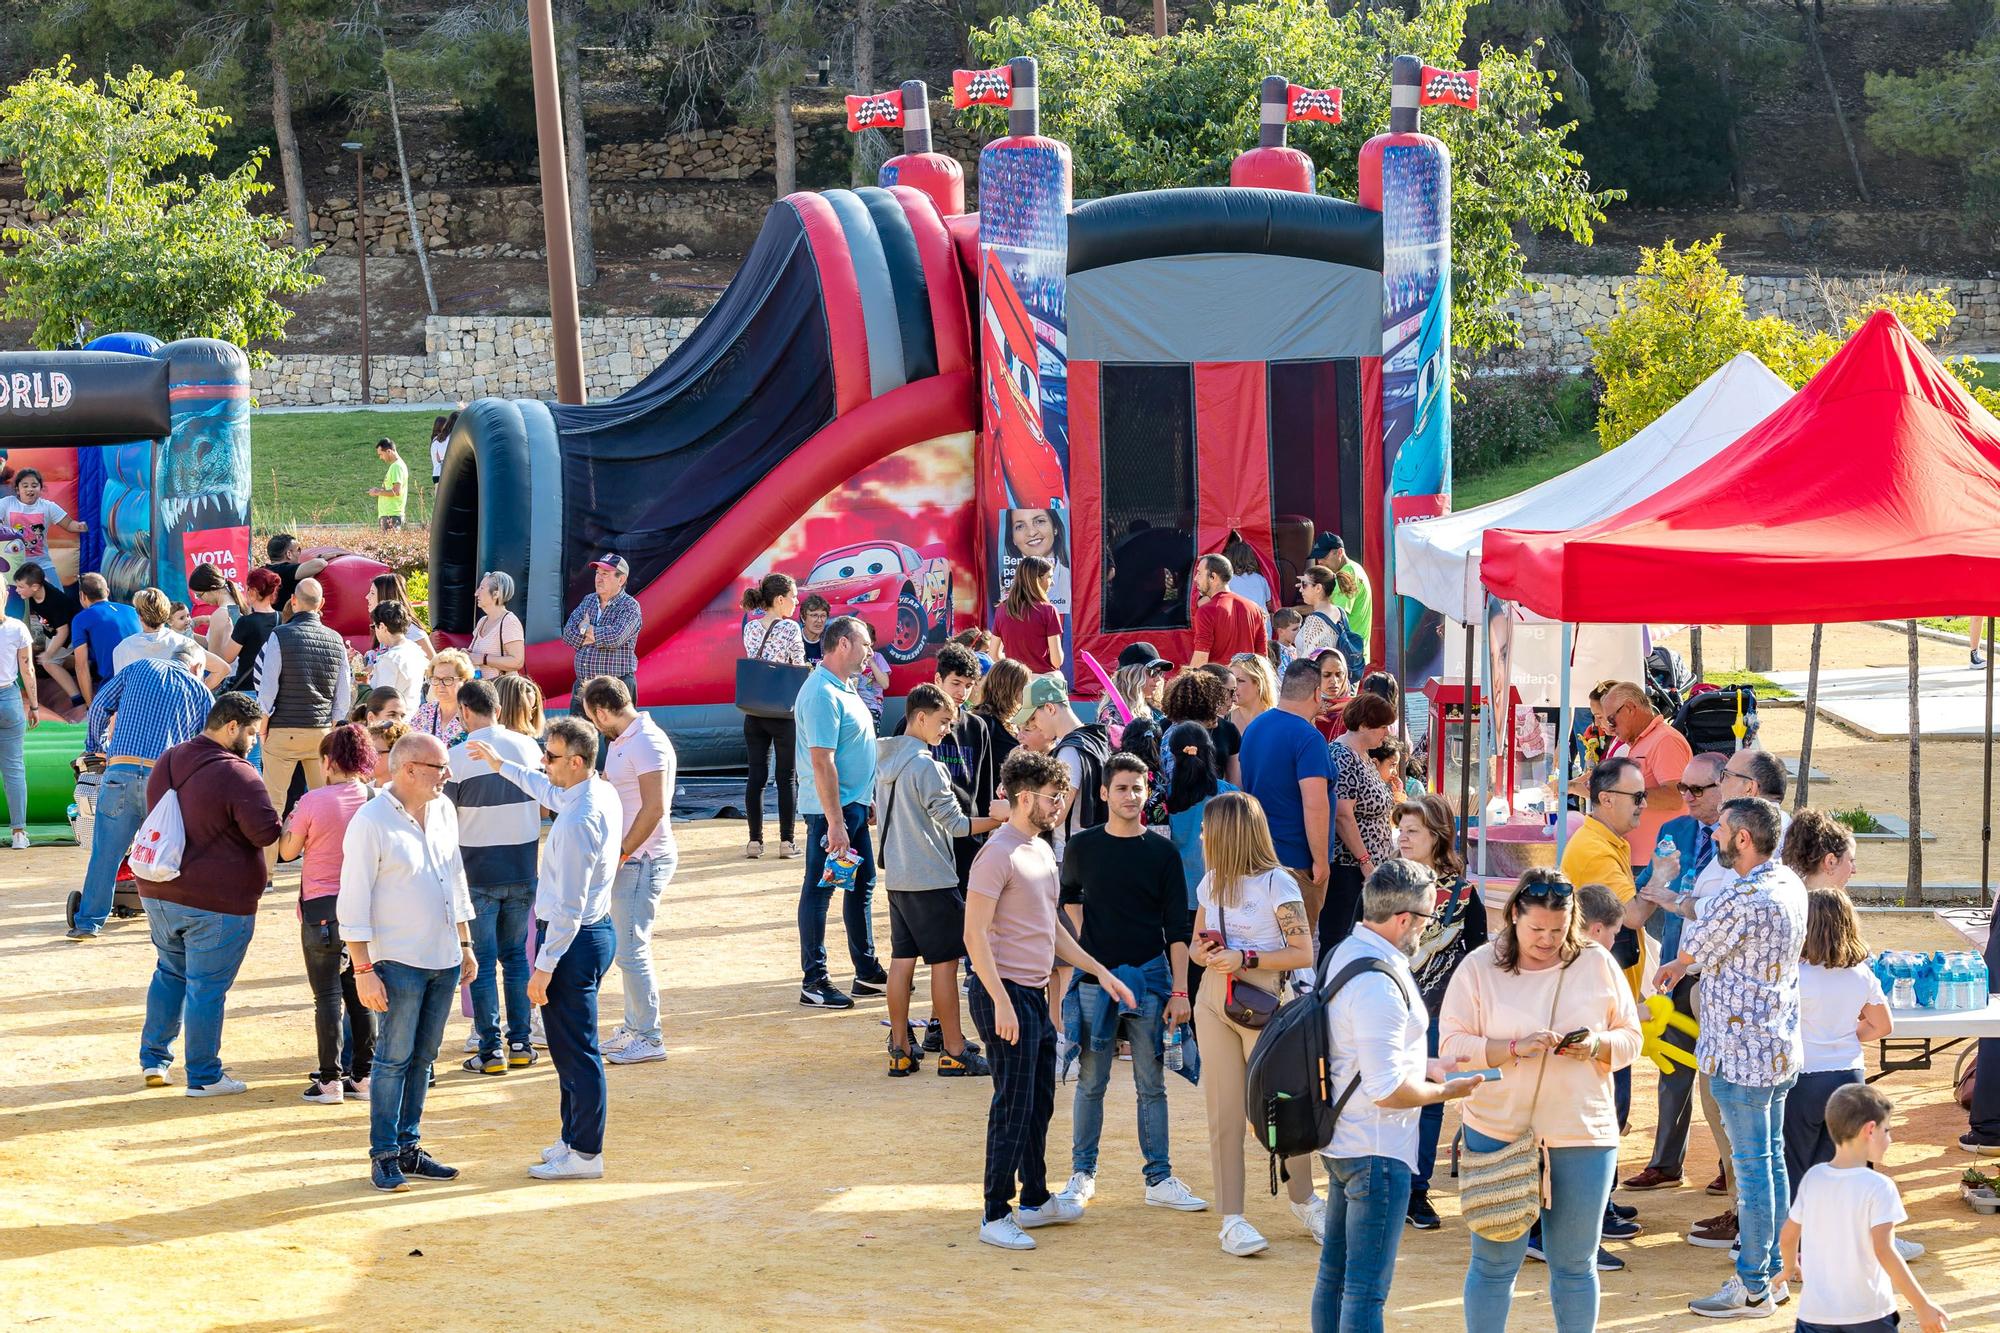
147 443
896 400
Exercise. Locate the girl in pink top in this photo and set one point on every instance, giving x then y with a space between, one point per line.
318 826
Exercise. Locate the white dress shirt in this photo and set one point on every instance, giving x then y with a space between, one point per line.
579 860
402 886
404 669
1379 1030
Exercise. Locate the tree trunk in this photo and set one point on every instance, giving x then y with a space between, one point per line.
1812 712
288 149
1739 190
409 198
1913 890
1833 96
569 73
864 84
1159 18
784 143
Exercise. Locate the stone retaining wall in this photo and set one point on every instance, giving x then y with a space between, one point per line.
470 356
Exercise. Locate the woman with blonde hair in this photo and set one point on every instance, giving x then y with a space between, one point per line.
1029 626
1250 928
520 705
438 715
1256 688
1551 1011
1133 683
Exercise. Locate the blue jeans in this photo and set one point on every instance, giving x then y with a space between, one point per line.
1430 1124
406 1041
121 808
197 955
814 899
1580 1185
1145 1030
500 942
14 754
1754 1119
1366 1199
635 897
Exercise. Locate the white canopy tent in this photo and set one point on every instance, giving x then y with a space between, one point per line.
1437 559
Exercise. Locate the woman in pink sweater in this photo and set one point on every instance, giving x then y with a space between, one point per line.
1552 1012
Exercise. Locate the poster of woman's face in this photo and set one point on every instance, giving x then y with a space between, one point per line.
1042 532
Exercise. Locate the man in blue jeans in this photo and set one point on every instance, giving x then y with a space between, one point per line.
405 914
1747 944
1379 1031
836 746
499 829
158 704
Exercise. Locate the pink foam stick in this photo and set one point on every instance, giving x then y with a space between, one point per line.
1110 689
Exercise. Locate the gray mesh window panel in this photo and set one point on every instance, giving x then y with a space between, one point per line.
1148 469
1307 449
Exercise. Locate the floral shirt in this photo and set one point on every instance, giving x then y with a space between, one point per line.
782 641
1747 946
430 722
1355 779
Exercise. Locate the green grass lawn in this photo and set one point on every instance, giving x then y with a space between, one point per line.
1760 685
310 469
1569 452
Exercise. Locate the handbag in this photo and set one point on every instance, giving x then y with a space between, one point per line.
1248 1005
768 689
1963 1077
1500 1189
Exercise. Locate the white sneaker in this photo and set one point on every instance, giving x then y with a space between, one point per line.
1781 1292
621 1036
1006 1233
1313 1214
1082 1187
1059 1208
156 1076
1734 1302
637 1051
571 1165
222 1087
1241 1239
20 840
472 1043
1173 1193
554 1150
326 1094
1909 1249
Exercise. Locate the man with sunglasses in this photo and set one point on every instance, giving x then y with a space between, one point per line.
574 936
1662 754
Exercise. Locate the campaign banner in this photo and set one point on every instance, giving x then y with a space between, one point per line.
228 549
1410 508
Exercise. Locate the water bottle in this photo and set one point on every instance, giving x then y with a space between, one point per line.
1175 1057
1981 984
1905 973
1951 981
1961 983
839 872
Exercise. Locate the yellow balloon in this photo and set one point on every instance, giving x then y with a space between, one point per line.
1659 1016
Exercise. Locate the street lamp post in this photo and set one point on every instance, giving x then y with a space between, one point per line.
361 250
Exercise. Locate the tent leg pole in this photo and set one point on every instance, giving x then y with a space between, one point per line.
1986 798
1485 709
1812 715
1465 756
1563 723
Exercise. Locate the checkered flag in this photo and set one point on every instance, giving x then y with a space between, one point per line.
1312 104
876 111
1449 87
981 87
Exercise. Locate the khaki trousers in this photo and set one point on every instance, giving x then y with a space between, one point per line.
285 748
1225 1057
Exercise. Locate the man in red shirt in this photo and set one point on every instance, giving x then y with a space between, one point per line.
1225 623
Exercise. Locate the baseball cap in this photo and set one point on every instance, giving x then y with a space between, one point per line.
1041 690
1144 654
615 563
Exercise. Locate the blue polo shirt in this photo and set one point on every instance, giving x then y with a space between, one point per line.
103 625
831 716
1281 750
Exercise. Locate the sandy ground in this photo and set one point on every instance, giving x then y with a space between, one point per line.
767 1175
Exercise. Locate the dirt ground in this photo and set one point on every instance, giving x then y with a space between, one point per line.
767 1175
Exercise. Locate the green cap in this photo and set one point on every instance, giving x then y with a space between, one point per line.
1041 690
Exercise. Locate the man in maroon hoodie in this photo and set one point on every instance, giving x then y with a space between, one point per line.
202 919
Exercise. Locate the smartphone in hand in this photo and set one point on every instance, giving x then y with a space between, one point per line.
1572 1038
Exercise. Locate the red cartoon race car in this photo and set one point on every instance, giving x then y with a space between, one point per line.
1029 469
904 596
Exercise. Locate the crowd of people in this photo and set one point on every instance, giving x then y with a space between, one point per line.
1236 835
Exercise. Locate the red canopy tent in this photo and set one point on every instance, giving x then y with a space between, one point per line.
1873 494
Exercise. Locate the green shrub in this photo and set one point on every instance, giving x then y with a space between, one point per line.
1502 419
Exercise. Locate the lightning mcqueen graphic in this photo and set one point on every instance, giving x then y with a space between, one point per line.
903 595
1030 472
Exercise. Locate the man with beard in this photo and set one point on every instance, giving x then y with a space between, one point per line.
1012 941
1379 1029
203 917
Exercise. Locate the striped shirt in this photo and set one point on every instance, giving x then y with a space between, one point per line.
158 705
498 823
615 627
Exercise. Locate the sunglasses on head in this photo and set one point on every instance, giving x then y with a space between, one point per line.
1555 894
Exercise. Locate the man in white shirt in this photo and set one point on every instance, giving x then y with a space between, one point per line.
1378 1025
405 915
399 665
640 767
575 939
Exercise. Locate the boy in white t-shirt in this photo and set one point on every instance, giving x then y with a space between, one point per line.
1846 1214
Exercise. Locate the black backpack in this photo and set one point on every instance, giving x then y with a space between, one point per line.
1092 746
1708 720
1291 1104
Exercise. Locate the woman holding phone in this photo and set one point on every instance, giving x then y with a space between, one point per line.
1551 1011
1250 929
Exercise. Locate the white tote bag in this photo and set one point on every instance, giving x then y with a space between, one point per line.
157 847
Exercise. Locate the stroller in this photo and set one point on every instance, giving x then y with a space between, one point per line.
125 900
